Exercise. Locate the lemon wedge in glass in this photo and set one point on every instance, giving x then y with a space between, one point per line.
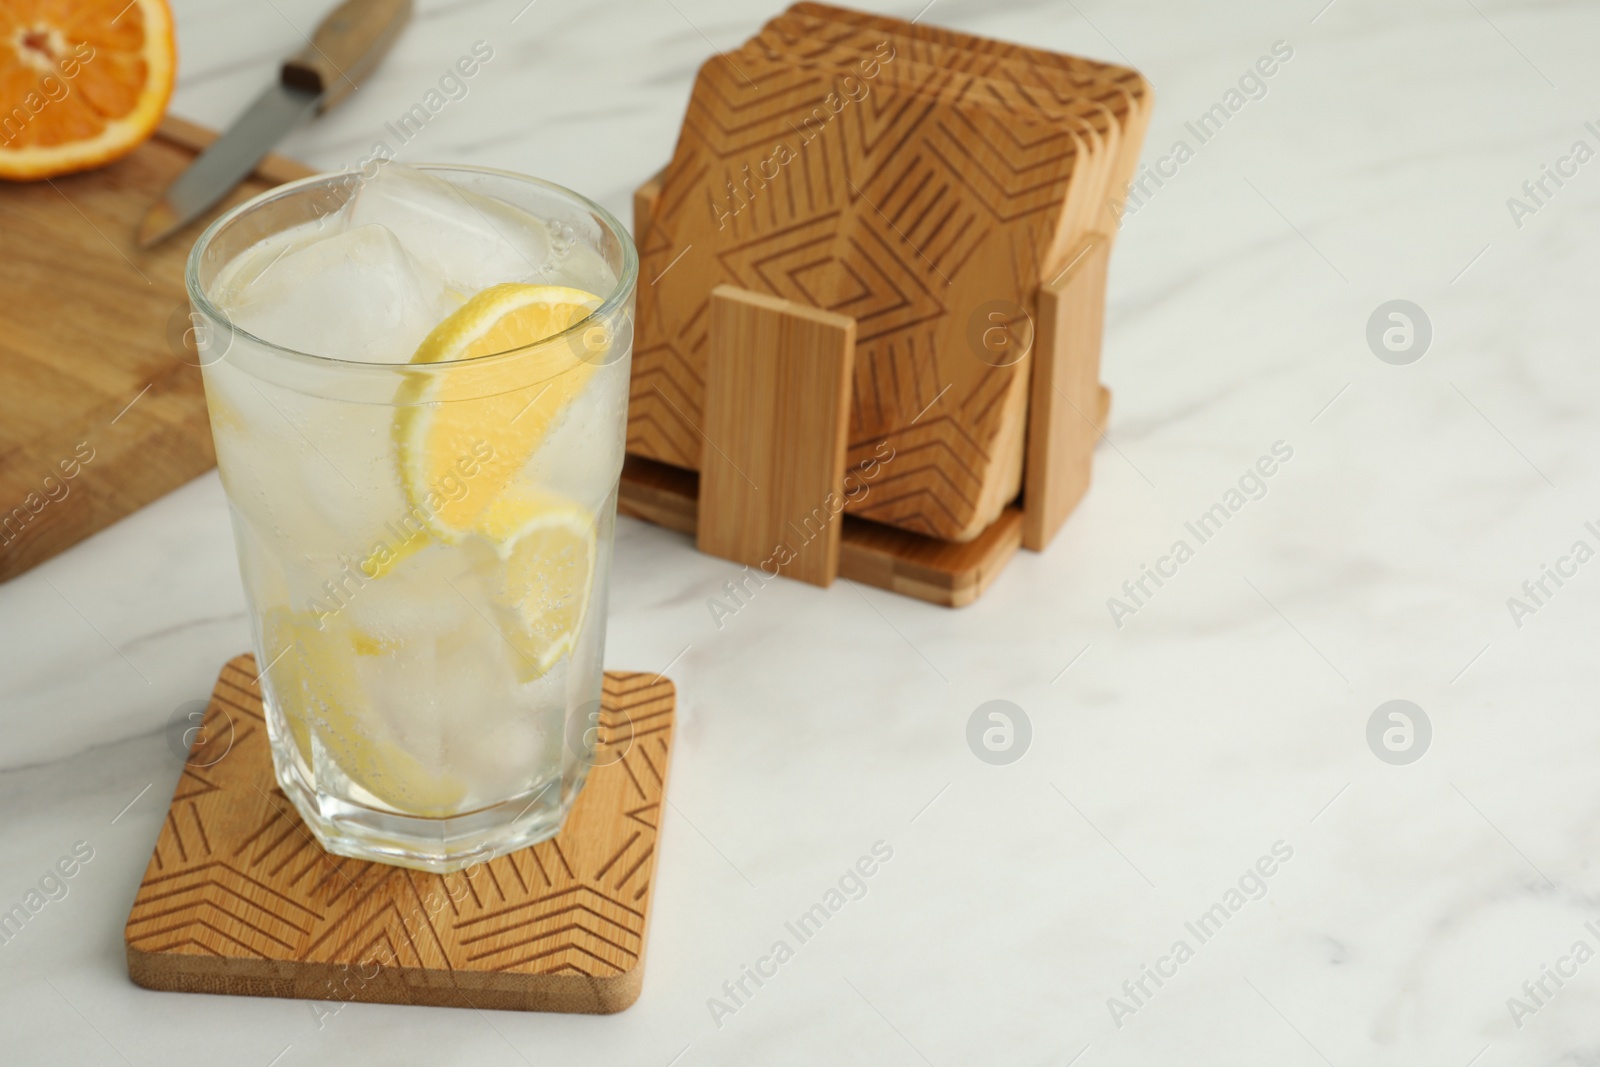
463 433
314 672
547 548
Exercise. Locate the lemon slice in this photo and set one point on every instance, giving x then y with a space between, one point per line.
547 548
313 673
463 434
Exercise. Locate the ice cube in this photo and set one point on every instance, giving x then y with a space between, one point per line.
474 241
581 454
356 295
420 597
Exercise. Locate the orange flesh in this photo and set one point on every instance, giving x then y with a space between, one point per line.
70 72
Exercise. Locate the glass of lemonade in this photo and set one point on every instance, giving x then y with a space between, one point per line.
418 386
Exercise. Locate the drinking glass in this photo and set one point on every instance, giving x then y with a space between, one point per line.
425 547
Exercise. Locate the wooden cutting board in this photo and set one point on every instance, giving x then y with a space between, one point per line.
101 404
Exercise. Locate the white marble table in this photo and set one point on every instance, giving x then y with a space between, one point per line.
1225 717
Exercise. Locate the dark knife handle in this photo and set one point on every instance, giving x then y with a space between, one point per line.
346 47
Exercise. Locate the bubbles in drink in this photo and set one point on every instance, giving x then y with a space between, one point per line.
430 655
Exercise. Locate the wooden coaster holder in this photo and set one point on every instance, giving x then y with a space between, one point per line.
773 466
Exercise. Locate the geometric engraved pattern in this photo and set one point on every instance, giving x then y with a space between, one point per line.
959 174
239 898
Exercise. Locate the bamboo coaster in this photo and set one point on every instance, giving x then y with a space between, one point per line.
240 899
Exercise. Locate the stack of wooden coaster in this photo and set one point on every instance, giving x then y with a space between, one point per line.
935 210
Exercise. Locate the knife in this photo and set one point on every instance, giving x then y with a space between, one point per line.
343 50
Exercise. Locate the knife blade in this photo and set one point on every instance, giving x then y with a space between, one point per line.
346 46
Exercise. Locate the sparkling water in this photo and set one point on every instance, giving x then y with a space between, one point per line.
402 691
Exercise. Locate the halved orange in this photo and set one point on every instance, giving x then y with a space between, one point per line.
82 82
